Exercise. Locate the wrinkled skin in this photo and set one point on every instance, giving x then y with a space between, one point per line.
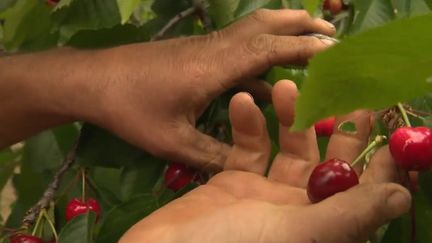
242 205
151 94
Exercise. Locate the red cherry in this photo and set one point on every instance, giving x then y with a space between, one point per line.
324 128
411 148
177 176
52 3
77 207
329 178
334 6
22 238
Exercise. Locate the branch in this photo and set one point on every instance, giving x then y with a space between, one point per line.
49 193
179 17
199 7
202 8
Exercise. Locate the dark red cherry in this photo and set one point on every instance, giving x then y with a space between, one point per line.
23 238
178 175
76 207
329 178
411 148
334 6
324 128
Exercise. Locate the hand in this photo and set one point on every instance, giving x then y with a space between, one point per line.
241 205
153 93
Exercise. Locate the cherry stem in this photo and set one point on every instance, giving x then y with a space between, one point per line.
83 184
38 221
404 114
414 114
50 223
378 140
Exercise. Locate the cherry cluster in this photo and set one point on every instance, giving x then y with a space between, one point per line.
410 147
74 208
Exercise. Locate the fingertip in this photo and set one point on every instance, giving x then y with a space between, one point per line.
245 116
284 97
399 200
326 27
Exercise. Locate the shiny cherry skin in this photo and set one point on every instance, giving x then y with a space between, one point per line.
178 175
23 238
77 207
324 128
334 6
411 148
329 178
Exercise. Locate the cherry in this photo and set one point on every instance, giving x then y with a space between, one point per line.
329 178
324 128
411 148
77 207
23 238
52 2
177 176
334 6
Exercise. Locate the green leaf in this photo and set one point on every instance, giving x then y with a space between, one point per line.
123 216
247 6
5 4
140 179
126 8
28 25
85 15
311 5
429 3
7 166
371 13
222 12
117 35
79 229
278 73
405 8
100 148
357 74
348 127
42 152
428 121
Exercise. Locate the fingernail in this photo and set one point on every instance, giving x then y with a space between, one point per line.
330 25
327 41
399 200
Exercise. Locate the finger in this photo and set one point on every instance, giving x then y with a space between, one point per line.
280 22
198 150
354 215
352 144
300 144
259 89
251 149
298 150
257 54
381 168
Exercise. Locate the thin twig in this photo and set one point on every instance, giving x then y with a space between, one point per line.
202 8
176 19
49 193
199 7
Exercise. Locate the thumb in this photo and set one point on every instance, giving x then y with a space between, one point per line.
354 215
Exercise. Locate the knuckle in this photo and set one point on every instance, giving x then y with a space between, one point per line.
260 15
260 44
306 47
303 15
